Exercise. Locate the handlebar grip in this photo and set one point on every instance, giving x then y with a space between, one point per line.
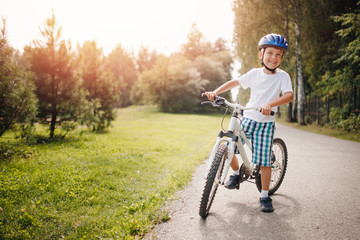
272 112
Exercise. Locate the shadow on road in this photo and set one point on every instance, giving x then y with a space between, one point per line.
248 222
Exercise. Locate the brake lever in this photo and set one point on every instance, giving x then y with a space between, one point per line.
218 101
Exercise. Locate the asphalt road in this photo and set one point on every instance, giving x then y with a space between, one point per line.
318 199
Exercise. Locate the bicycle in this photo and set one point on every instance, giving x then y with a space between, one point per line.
224 150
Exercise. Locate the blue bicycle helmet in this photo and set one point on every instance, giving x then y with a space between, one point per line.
273 40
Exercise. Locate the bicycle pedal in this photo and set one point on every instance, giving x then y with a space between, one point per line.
238 186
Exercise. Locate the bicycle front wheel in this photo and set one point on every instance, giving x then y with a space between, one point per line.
212 181
279 159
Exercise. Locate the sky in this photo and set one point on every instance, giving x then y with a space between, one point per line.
162 25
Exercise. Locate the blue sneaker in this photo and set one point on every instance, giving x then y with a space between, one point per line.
234 182
266 204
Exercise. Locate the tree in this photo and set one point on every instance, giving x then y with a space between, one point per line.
17 99
196 45
121 64
349 62
174 84
249 28
344 76
58 89
145 60
102 90
214 71
297 18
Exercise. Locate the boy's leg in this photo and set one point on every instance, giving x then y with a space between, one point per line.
248 126
265 178
265 200
262 145
235 177
234 163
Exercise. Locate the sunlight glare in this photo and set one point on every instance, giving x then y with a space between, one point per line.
162 25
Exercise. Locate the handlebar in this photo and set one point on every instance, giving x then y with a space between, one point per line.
222 102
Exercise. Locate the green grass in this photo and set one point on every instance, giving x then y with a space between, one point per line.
101 186
324 130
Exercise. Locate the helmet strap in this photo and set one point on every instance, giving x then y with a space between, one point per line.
271 70
262 63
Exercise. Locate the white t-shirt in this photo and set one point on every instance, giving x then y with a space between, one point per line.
264 88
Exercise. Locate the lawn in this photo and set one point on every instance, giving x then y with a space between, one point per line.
111 185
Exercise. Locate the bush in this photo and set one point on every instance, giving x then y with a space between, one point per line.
352 123
17 99
344 119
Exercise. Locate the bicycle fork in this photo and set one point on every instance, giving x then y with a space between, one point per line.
231 143
229 156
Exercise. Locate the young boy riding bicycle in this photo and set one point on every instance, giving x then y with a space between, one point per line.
265 84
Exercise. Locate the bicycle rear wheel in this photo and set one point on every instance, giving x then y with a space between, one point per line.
279 159
212 181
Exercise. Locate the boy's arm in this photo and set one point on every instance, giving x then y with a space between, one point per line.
286 98
223 88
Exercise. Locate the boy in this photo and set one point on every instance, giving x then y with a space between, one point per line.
265 84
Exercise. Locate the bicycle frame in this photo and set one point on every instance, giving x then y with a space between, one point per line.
234 136
223 153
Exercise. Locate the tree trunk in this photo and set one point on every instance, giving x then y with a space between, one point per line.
299 76
288 113
53 105
53 118
52 124
287 36
294 106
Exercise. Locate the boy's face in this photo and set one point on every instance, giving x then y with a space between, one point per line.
272 56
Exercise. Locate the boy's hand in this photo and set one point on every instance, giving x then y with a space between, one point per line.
266 110
210 95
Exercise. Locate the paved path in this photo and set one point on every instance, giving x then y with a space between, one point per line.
319 198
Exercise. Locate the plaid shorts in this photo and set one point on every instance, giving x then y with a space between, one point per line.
261 135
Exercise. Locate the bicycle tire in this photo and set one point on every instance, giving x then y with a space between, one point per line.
210 189
279 152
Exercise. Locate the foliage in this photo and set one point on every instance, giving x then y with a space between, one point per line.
216 70
335 64
145 60
196 45
329 43
351 124
344 119
350 58
58 88
17 100
248 29
102 186
276 17
102 90
174 84
212 70
121 64
344 76
318 42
